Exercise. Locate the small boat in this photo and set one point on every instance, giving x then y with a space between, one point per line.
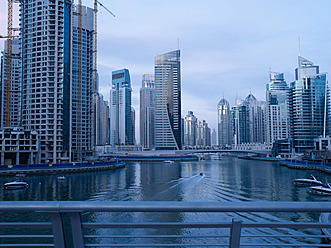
61 178
168 161
20 175
321 190
15 185
312 181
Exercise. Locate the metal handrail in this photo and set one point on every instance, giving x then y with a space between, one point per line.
237 232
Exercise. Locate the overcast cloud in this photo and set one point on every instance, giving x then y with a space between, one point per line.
227 47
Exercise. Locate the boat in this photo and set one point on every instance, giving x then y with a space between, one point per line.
321 190
20 175
15 185
168 161
312 181
61 178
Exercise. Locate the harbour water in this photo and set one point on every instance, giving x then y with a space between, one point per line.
226 179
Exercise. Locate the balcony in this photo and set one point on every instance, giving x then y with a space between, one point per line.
66 228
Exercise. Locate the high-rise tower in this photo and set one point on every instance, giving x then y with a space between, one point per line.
308 105
120 108
168 101
82 92
15 101
147 111
50 84
277 103
224 124
190 129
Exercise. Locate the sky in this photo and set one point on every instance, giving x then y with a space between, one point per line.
227 47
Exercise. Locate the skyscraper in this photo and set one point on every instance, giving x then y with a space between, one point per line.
52 100
277 103
102 121
168 101
202 134
224 124
147 111
308 105
213 137
120 108
82 85
190 129
251 121
15 92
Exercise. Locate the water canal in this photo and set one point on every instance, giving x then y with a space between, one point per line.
227 179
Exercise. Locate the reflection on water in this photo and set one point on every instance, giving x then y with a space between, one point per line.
228 179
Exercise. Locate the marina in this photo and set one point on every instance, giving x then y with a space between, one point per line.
230 180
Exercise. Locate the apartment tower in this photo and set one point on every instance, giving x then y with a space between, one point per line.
55 101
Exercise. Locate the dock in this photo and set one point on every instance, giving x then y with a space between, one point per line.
42 169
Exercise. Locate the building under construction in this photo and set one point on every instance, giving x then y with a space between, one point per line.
57 84
15 85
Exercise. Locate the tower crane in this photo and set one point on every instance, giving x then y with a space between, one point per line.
79 81
9 61
95 68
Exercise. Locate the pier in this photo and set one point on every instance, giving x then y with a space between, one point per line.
40 169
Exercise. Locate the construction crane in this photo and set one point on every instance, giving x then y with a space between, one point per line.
9 61
79 84
95 69
6 37
79 74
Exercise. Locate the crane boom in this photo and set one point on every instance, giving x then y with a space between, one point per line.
105 8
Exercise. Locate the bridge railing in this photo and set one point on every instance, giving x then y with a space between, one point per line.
66 226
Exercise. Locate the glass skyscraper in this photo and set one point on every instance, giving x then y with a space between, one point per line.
120 109
308 105
224 124
168 127
147 111
190 129
277 103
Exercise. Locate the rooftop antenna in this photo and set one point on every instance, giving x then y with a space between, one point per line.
299 45
177 43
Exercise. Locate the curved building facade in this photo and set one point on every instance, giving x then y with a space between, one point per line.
168 131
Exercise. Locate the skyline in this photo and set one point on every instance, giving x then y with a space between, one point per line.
228 46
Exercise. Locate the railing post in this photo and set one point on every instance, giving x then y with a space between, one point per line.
58 232
235 233
77 232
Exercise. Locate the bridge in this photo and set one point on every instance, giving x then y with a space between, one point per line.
67 225
194 151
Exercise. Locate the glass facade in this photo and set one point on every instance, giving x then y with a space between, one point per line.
121 126
224 124
168 127
147 111
308 109
277 103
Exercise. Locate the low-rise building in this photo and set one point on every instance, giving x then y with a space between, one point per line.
19 146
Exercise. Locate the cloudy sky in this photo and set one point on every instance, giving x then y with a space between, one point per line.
227 46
